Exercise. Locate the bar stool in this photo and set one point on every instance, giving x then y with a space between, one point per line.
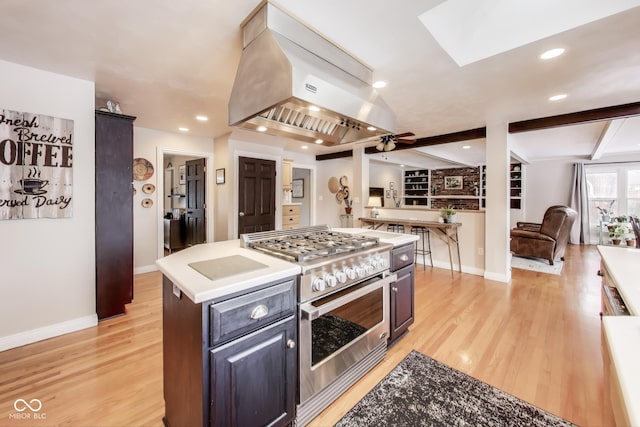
423 233
396 228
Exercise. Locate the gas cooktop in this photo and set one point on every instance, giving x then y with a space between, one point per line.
310 245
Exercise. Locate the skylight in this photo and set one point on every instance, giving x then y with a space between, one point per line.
470 31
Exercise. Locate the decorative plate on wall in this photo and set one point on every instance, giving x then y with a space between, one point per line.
142 169
334 184
147 203
148 188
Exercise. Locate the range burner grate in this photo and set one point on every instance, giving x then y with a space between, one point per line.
313 245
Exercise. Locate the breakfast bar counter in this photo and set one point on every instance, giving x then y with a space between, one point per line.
447 232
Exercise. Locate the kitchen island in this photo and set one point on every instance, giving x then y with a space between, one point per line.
229 337
621 334
232 335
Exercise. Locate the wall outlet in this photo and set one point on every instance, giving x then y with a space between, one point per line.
480 251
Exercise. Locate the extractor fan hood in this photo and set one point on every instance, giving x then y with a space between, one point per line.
293 82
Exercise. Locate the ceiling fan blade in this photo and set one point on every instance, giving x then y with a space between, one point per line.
402 135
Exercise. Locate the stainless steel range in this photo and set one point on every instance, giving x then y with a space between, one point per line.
343 307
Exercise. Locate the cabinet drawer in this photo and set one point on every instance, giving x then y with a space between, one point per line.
290 220
238 316
291 210
402 256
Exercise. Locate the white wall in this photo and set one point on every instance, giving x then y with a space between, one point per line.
149 144
329 208
48 265
546 184
380 175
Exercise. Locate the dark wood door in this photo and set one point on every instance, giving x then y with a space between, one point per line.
401 302
254 378
195 219
257 194
114 213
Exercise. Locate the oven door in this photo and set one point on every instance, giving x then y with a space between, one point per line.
339 330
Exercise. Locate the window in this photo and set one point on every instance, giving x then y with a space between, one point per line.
614 187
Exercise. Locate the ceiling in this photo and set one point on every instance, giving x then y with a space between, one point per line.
168 61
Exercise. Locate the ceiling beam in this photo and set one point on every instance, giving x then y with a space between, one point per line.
595 115
465 135
336 155
608 133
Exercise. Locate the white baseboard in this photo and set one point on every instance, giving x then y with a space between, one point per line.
145 269
50 331
505 278
447 266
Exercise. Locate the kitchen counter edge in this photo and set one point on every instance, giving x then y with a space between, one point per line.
200 288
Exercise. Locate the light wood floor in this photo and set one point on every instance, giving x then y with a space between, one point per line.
537 338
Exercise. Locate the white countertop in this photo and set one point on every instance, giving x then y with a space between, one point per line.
199 288
623 338
623 264
396 239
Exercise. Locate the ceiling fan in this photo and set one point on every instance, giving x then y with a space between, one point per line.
388 142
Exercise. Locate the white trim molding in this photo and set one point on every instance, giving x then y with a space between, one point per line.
49 331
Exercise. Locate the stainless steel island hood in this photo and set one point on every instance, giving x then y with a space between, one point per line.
293 82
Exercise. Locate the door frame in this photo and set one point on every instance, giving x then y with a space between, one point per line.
278 199
209 182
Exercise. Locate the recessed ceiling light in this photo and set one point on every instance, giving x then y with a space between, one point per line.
202 118
304 147
314 108
183 129
379 84
466 147
552 53
558 97
319 141
401 166
261 128
371 128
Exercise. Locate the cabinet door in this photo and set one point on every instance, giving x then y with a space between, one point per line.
254 378
401 302
114 213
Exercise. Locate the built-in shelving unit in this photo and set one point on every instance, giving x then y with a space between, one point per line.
515 185
416 187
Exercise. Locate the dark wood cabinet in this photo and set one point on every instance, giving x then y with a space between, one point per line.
401 303
114 213
219 375
261 371
174 234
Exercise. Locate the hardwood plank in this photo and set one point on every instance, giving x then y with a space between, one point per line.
537 338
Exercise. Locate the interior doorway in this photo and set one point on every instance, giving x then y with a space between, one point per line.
173 221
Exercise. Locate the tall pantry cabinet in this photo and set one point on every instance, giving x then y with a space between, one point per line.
114 213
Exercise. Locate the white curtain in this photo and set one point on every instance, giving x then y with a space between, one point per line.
580 203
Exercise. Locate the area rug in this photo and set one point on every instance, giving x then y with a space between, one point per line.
536 264
421 391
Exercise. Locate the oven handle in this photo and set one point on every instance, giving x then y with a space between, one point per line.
310 312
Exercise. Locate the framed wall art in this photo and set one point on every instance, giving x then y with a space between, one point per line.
182 174
453 182
220 176
297 189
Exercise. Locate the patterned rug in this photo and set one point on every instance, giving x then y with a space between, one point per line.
421 391
537 264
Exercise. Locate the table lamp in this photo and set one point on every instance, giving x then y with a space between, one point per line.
374 202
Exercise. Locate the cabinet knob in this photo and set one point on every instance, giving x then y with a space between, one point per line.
291 344
241 214
394 289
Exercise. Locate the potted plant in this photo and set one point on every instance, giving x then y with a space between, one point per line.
618 231
448 214
606 213
631 241
348 203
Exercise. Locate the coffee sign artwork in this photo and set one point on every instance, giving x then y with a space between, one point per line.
36 166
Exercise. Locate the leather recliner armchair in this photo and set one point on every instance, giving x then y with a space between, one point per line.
547 240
